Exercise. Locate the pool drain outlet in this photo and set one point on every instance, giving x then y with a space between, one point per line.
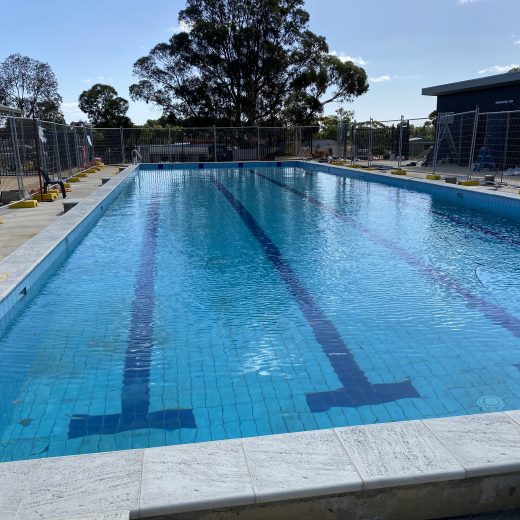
490 403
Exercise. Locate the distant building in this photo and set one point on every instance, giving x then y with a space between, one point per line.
491 94
498 127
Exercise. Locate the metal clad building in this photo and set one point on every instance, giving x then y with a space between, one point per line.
497 131
490 94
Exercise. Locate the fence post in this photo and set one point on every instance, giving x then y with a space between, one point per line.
122 144
436 142
169 144
506 144
91 133
18 162
57 147
215 141
370 137
258 143
353 149
76 148
41 142
473 141
67 149
36 130
399 159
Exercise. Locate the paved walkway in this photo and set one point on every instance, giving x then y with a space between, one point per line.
19 225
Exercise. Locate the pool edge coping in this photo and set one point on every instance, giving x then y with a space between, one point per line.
507 423
176 479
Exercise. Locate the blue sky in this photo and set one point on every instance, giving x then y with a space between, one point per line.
404 45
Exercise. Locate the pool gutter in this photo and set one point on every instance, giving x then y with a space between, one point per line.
410 469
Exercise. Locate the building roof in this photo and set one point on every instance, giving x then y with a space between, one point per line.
498 80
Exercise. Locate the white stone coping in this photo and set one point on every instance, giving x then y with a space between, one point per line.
193 477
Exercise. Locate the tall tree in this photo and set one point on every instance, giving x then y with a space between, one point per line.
50 111
104 107
328 125
245 62
31 86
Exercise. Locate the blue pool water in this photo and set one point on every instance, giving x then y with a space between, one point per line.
213 304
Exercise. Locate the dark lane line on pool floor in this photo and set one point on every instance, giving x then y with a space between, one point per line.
135 392
464 223
476 227
357 389
493 312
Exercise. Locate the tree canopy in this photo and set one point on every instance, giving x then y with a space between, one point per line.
105 109
31 86
245 62
328 125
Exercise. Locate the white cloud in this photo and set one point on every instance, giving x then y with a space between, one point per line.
466 2
380 79
497 69
99 79
405 76
105 79
182 27
356 61
71 111
516 42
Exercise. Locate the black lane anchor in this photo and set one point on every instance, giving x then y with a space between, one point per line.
135 392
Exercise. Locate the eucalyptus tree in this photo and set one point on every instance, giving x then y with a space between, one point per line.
31 86
105 109
245 62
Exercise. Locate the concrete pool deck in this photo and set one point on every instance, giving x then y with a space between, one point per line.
411 469
20 225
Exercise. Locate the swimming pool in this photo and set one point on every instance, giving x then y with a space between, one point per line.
218 303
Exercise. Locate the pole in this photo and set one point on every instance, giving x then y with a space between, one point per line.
67 149
76 149
370 137
437 141
215 142
122 144
353 151
258 143
504 162
91 130
36 129
16 149
399 159
169 144
57 148
460 138
473 141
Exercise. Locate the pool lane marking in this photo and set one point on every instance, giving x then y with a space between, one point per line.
135 392
476 227
357 389
493 312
